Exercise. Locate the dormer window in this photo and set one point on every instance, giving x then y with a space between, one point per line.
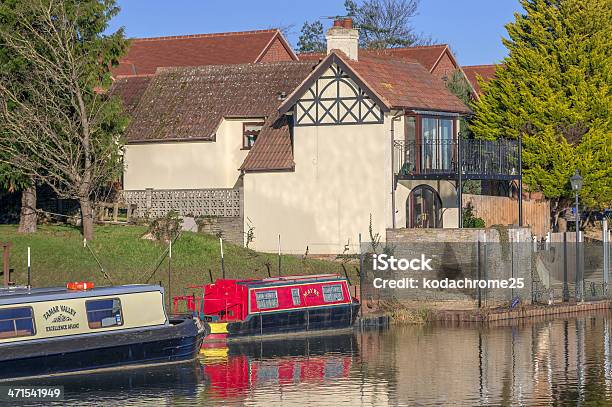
250 131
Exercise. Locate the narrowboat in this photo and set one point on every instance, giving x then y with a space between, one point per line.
48 331
277 305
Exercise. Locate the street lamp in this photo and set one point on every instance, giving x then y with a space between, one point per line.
576 181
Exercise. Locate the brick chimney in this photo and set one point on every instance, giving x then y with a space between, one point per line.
342 36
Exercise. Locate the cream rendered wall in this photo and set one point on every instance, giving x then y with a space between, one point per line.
187 164
342 175
448 196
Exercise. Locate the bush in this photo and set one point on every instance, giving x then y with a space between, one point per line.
470 220
165 228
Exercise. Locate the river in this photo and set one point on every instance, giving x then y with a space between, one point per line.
543 362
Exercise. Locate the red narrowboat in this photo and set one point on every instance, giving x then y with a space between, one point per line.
274 305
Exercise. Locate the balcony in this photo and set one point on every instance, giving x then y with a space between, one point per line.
441 159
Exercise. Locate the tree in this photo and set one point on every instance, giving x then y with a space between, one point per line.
60 129
10 177
381 23
13 180
312 38
554 90
386 23
460 87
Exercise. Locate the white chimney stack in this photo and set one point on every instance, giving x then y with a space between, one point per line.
343 37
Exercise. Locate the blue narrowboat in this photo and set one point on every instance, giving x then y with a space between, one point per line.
48 331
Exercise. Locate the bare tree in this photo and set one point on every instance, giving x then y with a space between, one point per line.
386 23
63 132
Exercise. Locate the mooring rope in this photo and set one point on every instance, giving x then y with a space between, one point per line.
104 273
162 258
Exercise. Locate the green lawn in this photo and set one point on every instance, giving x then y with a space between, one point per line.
58 256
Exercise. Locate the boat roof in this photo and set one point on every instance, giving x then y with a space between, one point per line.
24 295
291 280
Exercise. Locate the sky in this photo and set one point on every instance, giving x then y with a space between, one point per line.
473 28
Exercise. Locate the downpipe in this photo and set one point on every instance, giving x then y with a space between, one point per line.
395 118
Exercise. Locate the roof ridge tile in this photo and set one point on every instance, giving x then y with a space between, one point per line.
204 35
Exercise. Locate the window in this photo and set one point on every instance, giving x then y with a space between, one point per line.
250 131
16 322
332 293
295 294
104 313
266 299
437 144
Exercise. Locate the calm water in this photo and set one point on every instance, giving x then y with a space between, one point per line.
559 362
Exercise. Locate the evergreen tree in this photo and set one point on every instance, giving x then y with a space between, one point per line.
312 38
56 127
11 178
554 90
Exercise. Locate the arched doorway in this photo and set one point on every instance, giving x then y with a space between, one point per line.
424 208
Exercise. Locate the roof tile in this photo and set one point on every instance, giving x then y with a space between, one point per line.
486 72
189 103
145 55
426 55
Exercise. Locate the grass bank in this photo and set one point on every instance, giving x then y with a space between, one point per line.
58 256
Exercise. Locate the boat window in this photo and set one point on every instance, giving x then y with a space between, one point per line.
295 294
16 322
332 293
104 313
266 299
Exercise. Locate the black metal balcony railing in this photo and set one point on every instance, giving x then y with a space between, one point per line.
480 159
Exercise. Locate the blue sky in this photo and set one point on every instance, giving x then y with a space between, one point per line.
473 28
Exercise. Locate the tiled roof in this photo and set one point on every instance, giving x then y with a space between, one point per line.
145 55
273 149
130 90
396 82
189 103
486 72
405 84
427 55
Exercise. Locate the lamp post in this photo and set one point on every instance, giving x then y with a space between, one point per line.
576 181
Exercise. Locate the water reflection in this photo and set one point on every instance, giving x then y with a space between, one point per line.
545 362
238 370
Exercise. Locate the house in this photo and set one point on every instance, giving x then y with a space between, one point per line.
437 59
321 151
146 55
475 72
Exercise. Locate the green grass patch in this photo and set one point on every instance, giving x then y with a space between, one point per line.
58 256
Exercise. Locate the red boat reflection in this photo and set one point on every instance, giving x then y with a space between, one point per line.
235 370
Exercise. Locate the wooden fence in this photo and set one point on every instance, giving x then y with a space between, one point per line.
214 202
496 210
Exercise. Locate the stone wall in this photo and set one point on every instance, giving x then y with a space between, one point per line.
458 254
229 228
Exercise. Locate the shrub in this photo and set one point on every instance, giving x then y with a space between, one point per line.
470 220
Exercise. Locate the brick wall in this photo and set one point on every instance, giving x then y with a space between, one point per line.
276 52
444 68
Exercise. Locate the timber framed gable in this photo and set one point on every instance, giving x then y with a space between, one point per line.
334 95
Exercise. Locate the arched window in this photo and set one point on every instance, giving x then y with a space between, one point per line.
424 208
